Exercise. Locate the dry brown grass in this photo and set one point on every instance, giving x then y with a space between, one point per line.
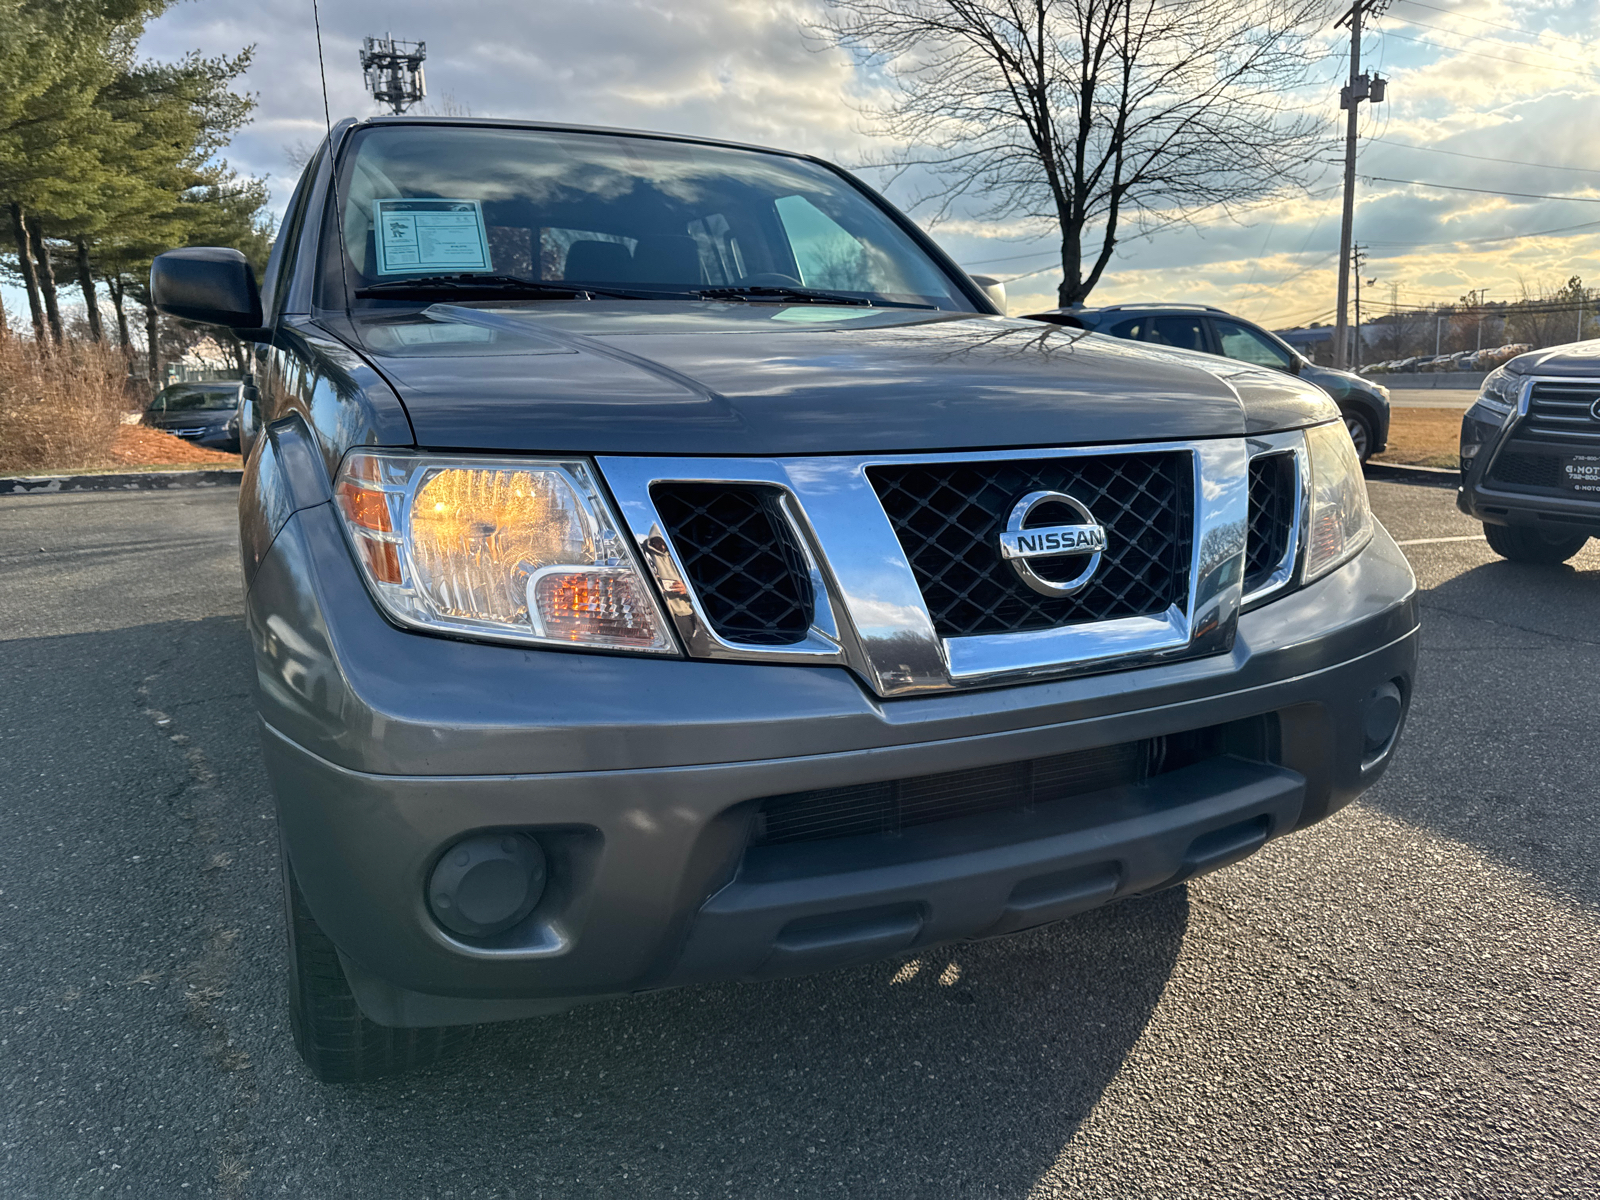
1424 437
60 408
141 446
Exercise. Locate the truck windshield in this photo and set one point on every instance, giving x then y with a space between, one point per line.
476 211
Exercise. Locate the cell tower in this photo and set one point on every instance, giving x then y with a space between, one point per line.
393 71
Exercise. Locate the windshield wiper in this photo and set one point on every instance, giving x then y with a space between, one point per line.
770 291
485 285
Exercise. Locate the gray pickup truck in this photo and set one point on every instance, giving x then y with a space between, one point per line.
665 566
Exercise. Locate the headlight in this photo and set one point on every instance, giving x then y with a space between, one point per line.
519 550
1340 521
1500 391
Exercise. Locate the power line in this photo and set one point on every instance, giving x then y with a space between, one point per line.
1516 62
1515 162
1456 187
1454 13
1473 37
1504 237
983 262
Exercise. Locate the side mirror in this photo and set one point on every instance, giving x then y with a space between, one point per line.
992 288
207 284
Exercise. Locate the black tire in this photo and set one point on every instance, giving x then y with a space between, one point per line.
1361 433
337 1042
1528 546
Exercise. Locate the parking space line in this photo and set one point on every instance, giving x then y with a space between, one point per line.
1467 537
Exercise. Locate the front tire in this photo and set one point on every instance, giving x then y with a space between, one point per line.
336 1040
1527 546
1360 433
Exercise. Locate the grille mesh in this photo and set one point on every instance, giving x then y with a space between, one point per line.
1272 516
948 517
1527 470
896 804
742 559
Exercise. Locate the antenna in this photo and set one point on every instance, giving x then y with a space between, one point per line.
393 71
327 119
333 167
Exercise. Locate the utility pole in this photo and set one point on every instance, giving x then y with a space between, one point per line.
1360 345
1361 87
1355 263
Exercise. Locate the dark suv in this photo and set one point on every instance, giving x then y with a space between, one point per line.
664 565
205 413
1364 404
1530 454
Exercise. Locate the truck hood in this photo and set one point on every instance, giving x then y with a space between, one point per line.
766 380
1578 359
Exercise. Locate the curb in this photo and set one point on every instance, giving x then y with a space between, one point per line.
1440 477
122 481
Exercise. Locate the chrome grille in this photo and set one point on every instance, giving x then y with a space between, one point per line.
1168 592
1272 517
947 517
742 559
1562 412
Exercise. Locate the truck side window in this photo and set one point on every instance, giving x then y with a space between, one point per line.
280 262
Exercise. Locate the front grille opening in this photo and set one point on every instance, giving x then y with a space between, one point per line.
1518 469
741 557
1563 412
1272 517
885 809
948 517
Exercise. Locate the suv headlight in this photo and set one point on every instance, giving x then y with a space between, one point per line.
1340 522
513 550
1500 391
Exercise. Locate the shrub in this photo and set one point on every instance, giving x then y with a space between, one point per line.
60 408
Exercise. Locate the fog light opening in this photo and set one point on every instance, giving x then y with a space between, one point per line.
486 883
1380 717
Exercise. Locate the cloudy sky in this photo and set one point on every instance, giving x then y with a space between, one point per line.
1484 94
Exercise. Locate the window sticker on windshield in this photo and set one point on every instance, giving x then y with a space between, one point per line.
429 235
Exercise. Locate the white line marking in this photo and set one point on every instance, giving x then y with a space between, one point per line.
1470 537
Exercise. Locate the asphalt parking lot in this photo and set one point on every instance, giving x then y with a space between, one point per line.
1404 1001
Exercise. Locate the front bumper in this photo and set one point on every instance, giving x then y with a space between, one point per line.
211 436
1491 493
639 775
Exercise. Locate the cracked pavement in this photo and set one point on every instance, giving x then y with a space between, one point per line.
1403 1001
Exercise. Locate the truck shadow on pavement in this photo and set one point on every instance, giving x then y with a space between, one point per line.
1497 748
962 1070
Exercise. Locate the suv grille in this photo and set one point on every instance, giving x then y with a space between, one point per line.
896 804
742 559
1522 470
1561 411
1272 517
948 517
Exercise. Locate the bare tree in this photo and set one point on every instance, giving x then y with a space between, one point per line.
1091 114
298 153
